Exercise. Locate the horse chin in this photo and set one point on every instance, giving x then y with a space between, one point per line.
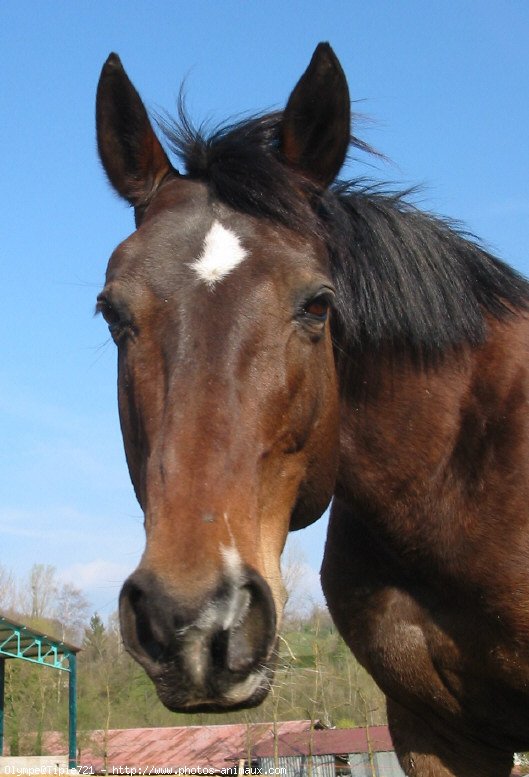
224 696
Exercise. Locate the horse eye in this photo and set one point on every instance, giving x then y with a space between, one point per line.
109 313
317 308
117 324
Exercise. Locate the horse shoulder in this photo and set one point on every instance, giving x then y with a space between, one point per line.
426 557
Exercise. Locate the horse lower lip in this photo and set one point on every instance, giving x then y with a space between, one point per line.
194 704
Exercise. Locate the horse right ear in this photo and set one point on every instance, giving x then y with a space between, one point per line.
317 119
130 152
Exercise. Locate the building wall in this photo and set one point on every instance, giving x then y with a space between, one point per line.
300 766
383 764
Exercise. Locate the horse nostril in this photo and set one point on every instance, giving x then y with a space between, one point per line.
142 634
144 629
240 655
219 648
229 648
252 632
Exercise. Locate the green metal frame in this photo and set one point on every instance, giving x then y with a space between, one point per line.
18 641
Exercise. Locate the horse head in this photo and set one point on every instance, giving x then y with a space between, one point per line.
227 388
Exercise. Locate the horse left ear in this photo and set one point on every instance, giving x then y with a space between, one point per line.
317 119
132 155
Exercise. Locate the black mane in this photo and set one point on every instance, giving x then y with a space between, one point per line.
405 279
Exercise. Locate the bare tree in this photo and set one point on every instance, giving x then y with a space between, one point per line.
42 591
8 590
293 570
72 608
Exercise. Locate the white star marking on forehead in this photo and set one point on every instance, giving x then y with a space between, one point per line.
221 253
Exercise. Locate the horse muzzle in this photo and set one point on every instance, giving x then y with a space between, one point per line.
212 658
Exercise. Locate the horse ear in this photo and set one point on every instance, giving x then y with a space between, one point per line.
317 119
130 152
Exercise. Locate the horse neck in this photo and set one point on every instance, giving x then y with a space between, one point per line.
423 457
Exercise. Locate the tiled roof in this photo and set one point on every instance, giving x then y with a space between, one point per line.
327 742
191 746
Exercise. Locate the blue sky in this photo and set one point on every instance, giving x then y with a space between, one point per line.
446 85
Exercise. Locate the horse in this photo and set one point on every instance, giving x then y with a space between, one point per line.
285 339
